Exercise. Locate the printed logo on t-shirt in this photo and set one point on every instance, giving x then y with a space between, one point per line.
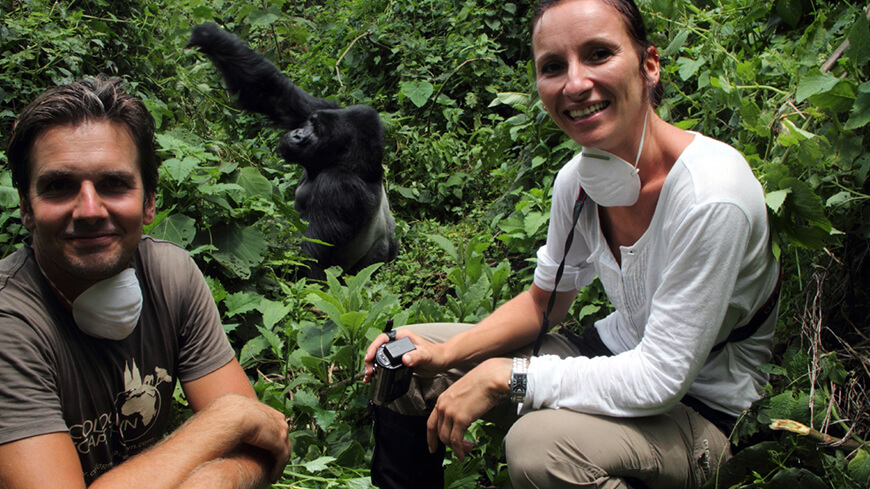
138 406
140 402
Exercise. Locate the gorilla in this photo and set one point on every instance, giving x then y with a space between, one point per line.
341 192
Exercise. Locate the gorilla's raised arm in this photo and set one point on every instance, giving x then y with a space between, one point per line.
341 192
260 86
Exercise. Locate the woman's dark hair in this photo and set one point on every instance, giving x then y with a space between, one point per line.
101 99
633 25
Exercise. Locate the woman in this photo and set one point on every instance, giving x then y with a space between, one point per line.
675 226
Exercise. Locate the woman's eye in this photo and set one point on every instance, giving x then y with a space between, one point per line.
600 55
550 68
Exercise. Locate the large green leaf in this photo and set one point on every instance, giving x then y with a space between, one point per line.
514 99
791 135
316 339
8 196
793 477
242 302
265 17
252 350
840 98
790 11
860 114
319 464
445 245
688 67
273 312
179 170
806 204
814 82
418 91
254 183
775 199
859 468
676 43
859 41
178 228
240 248
275 342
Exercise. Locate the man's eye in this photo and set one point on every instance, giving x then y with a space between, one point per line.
57 186
115 185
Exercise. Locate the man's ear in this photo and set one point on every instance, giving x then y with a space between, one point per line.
26 211
150 210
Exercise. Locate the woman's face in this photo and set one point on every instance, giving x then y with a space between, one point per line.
589 75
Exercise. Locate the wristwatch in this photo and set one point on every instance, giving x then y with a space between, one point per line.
519 374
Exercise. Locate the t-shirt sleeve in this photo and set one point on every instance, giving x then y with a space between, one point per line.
203 344
29 397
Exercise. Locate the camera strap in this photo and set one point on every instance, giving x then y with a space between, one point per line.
545 325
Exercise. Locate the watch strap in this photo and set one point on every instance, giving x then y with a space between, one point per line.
519 379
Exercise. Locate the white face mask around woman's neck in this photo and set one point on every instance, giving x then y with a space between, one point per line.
608 179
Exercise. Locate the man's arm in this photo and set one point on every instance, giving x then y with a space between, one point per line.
48 460
228 419
231 434
247 466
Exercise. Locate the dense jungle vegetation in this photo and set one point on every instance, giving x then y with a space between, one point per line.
470 162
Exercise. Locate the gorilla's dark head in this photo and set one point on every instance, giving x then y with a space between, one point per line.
352 138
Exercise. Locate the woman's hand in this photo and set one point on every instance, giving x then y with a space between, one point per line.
427 359
465 401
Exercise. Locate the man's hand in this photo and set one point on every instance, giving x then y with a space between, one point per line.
465 401
260 426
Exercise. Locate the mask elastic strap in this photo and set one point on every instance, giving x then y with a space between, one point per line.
642 135
53 285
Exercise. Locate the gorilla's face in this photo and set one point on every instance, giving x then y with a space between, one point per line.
335 137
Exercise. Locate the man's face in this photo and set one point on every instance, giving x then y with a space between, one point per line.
86 205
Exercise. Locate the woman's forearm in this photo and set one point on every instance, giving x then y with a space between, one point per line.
514 325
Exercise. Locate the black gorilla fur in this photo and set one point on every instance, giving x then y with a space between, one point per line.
341 192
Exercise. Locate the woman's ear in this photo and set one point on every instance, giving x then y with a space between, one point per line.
651 66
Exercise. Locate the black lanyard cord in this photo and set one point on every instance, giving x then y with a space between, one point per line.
545 325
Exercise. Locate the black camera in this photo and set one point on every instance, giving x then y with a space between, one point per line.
393 377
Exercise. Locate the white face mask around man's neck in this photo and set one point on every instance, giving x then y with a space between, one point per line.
109 309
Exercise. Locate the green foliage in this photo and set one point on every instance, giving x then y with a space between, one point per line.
471 157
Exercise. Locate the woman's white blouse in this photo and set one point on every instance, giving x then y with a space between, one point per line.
702 268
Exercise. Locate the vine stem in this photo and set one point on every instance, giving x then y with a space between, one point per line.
840 50
455 70
338 62
763 87
813 434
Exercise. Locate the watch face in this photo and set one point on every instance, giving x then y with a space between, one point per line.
519 384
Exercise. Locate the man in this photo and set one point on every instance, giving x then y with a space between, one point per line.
97 322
